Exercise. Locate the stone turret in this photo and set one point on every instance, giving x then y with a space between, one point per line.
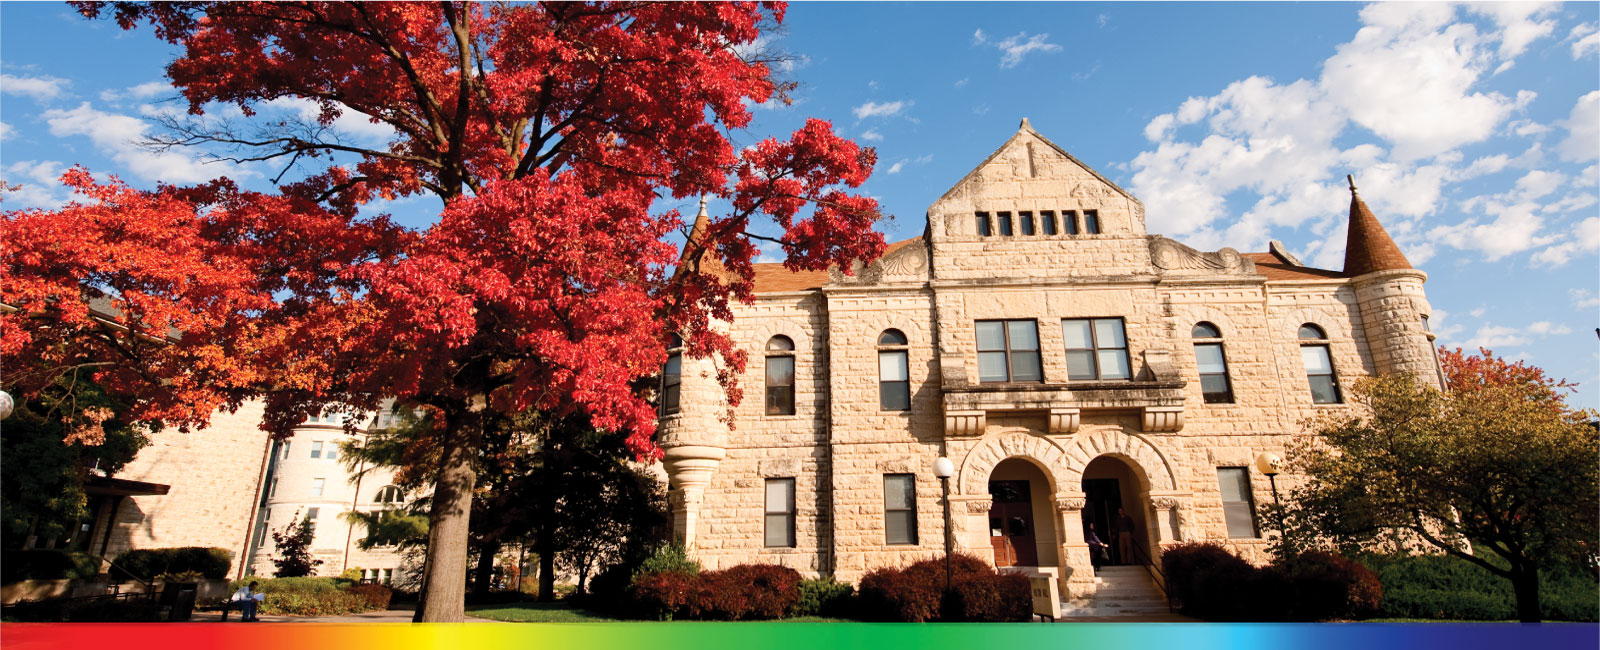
695 438
1394 310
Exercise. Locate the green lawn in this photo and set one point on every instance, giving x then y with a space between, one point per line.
561 612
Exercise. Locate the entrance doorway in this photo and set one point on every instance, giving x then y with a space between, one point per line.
1102 500
1011 526
1111 486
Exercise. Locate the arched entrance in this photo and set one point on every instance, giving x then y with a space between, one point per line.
1116 501
1021 520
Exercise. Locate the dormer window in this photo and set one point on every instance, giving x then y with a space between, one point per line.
1069 222
1003 219
1091 222
983 224
1025 223
1047 222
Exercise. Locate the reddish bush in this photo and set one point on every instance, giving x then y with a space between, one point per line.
666 595
916 593
893 594
1186 565
992 598
1329 586
747 591
376 596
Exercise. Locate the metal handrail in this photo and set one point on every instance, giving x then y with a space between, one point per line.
1160 577
149 586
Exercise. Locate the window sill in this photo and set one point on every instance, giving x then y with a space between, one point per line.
780 418
780 550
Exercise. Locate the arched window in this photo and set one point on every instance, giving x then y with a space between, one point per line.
671 376
780 376
389 495
1319 365
894 376
1215 388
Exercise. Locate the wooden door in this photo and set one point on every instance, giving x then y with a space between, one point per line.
1011 531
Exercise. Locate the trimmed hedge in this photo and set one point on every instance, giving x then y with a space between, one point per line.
38 564
743 592
148 563
824 597
100 610
916 594
1444 587
317 596
1208 581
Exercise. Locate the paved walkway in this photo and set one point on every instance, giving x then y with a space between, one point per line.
387 616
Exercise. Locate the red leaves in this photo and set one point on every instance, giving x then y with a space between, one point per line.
549 130
1485 373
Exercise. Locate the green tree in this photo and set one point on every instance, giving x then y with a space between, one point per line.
294 549
66 433
1496 463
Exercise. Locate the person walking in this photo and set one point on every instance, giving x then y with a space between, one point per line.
248 598
1124 525
1097 548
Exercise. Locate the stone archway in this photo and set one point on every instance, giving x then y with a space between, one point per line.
981 460
1137 450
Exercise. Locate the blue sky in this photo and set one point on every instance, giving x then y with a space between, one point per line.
1473 131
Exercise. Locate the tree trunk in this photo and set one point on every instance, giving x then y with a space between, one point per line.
481 580
1525 582
547 574
444 597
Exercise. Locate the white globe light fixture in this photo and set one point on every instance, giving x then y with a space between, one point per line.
6 405
942 467
1269 463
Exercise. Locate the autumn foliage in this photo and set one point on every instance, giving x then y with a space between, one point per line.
555 135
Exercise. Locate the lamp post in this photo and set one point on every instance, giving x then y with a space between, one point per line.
944 469
1269 463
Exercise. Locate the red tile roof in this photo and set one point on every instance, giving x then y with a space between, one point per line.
1368 246
1277 268
774 278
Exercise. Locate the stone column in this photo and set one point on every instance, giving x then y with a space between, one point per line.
689 470
969 520
1077 570
1166 527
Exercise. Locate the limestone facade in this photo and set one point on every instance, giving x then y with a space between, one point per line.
1151 438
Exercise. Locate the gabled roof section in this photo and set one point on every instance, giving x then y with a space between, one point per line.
1025 130
773 277
1367 246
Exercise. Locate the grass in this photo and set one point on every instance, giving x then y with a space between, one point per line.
536 612
562 612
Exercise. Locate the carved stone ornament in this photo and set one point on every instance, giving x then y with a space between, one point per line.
965 423
1165 503
979 506
907 263
1162 419
1170 255
1071 503
1064 420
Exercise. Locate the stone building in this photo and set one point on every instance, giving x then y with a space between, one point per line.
1067 362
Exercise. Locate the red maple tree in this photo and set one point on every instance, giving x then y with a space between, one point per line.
550 131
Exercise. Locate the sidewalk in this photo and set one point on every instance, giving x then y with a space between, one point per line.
387 616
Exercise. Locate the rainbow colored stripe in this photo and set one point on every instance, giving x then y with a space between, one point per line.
829 636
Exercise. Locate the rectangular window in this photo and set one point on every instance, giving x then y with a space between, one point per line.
1003 219
316 449
983 225
311 513
1091 222
333 451
1069 222
273 491
285 449
316 486
779 522
1047 222
671 380
1008 350
1025 223
1214 386
1096 349
894 381
1319 372
900 508
780 385
1238 505
261 528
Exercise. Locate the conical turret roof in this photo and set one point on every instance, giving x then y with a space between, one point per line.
697 233
1367 246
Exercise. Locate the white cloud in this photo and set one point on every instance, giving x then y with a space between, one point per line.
1477 313
979 38
1585 239
924 159
1443 327
33 184
1584 299
1538 183
875 109
1017 47
358 125
142 91
6 131
1514 229
1496 336
1585 39
897 166
118 136
1546 328
962 82
1583 130
872 134
1520 23
42 88
1102 19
